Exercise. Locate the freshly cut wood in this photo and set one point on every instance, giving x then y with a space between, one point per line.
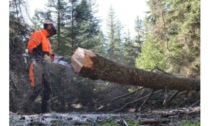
89 64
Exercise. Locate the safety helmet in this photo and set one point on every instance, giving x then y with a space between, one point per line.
53 29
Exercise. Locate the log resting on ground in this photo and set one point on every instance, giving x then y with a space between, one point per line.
89 64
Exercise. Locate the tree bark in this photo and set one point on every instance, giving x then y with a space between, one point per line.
89 64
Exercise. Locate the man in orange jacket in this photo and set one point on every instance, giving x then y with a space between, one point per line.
40 48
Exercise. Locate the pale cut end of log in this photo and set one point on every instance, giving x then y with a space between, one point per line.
81 59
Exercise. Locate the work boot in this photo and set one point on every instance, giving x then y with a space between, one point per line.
26 107
46 101
46 107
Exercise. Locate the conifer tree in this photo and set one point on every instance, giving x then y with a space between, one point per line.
173 38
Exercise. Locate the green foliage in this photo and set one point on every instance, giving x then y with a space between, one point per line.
190 123
128 51
76 25
114 37
114 122
132 122
87 26
150 56
121 47
110 122
172 41
36 124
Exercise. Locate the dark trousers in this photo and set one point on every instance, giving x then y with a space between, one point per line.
42 85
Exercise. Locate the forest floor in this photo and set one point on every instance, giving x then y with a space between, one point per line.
163 117
109 108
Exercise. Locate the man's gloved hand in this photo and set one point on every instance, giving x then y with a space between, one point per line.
47 58
52 56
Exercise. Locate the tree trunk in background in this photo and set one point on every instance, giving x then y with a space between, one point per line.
89 64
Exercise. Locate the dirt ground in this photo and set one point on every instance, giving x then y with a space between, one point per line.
166 117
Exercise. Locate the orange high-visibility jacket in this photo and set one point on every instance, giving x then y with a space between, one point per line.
38 45
38 41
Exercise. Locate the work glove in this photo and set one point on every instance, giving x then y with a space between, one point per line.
47 58
52 56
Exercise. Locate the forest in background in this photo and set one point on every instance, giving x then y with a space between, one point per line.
167 41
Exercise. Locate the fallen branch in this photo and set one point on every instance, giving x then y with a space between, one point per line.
124 122
195 103
145 100
165 96
134 101
124 95
172 97
183 92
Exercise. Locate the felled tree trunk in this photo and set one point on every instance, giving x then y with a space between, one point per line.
89 64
